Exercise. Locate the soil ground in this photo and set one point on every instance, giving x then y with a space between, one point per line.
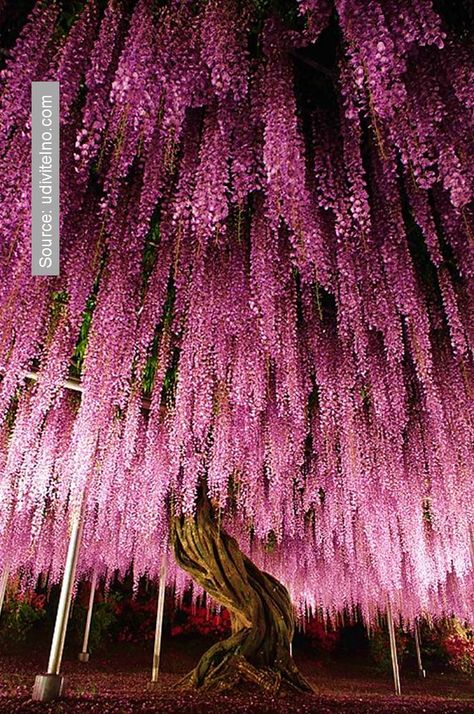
116 682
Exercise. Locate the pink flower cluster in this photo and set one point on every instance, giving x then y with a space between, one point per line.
299 271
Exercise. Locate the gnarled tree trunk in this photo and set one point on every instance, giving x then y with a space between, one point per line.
258 651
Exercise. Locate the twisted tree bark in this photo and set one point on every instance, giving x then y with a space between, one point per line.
258 651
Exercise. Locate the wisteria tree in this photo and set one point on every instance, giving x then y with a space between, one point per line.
267 293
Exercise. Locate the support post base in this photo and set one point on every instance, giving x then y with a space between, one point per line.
83 656
422 673
47 687
153 686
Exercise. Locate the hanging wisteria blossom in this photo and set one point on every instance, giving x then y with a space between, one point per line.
267 295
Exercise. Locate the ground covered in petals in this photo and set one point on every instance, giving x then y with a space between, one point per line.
117 682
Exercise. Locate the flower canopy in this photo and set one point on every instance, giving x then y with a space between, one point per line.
267 286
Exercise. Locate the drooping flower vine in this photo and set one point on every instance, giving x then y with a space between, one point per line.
267 286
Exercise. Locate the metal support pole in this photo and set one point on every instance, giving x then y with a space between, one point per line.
393 649
49 686
421 671
84 654
159 625
3 588
65 597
